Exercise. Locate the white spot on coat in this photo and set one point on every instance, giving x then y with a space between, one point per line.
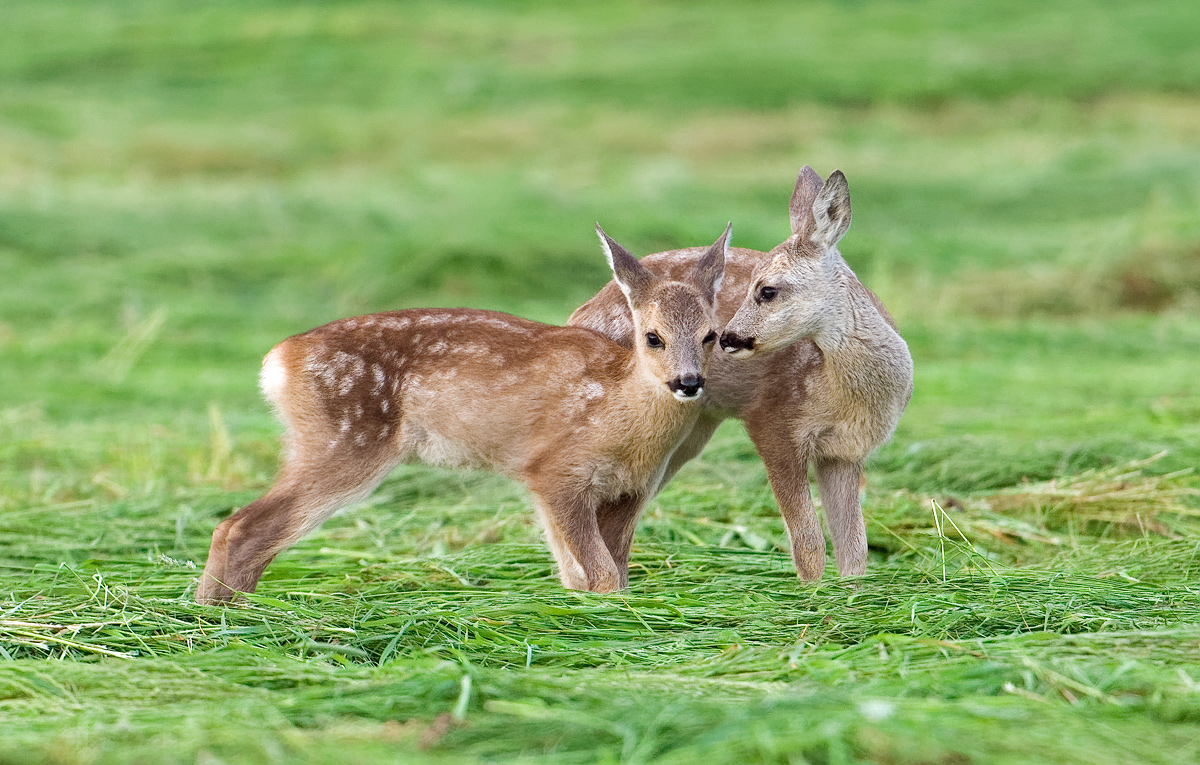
593 391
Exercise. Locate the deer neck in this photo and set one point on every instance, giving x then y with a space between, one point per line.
862 352
647 419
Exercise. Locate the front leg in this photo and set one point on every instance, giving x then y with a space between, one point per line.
572 531
692 445
618 519
840 483
787 470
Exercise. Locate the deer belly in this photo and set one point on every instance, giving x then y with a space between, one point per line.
420 444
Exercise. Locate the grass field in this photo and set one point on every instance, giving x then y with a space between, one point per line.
183 184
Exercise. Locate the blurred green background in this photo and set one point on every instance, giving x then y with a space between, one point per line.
183 184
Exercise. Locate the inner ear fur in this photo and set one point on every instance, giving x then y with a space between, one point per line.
831 211
710 270
634 279
800 209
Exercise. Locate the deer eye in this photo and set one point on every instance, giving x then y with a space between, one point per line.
653 340
767 294
710 337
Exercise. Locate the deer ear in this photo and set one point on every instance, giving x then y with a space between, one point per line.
808 185
831 212
711 268
632 277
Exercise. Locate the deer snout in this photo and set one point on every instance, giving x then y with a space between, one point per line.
687 387
736 345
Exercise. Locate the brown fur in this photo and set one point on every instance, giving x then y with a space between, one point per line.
588 425
827 386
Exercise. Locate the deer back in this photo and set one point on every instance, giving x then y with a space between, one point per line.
451 387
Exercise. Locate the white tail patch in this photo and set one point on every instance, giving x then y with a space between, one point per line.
272 380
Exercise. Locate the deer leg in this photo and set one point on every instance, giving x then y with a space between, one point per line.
691 446
787 470
570 571
242 546
300 501
618 520
839 483
572 531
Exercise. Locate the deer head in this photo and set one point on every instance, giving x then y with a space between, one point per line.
673 321
792 295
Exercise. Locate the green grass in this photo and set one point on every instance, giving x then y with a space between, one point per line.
184 184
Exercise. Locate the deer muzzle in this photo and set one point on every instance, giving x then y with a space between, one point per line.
736 345
687 387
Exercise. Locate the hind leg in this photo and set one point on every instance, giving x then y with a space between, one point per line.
300 501
224 578
839 483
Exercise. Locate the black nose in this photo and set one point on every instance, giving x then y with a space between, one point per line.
688 385
733 343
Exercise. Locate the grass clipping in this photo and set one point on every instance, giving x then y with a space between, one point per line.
1122 496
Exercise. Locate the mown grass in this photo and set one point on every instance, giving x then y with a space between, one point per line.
182 185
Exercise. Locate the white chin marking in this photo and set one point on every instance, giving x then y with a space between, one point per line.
739 353
685 397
